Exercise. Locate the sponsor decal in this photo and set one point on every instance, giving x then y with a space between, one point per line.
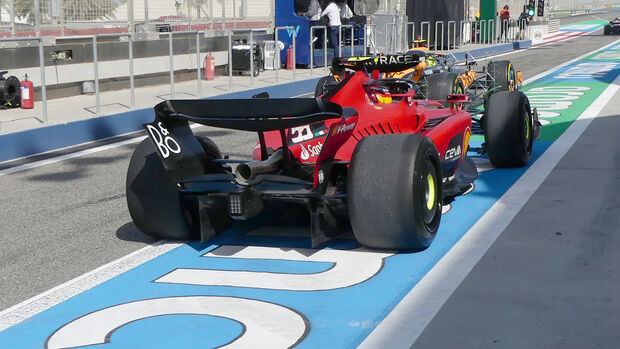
453 153
447 179
163 141
301 134
466 140
454 150
397 59
321 176
343 128
310 150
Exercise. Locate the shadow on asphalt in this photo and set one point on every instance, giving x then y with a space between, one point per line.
129 232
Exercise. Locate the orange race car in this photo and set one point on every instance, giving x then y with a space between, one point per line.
438 75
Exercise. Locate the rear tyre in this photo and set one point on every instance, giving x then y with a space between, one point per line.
155 203
508 130
323 85
395 191
607 30
502 76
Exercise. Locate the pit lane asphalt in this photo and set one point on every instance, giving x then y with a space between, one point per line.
551 279
64 219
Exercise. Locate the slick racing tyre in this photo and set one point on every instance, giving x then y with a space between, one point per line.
508 129
440 85
155 203
502 76
395 191
607 30
323 85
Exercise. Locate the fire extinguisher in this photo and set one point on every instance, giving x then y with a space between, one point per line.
27 92
209 67
289 58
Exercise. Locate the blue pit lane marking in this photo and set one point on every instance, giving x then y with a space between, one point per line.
337 318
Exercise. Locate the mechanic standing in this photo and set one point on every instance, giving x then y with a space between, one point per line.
524 21
504 18
332 11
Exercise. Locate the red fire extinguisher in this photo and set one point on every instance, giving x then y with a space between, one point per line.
27 92
289 58
209 67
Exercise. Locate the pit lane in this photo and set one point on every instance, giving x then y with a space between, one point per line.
74 229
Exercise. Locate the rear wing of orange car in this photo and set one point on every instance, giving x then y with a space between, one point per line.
382 63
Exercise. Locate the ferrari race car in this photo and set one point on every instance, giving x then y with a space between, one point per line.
366 156
438 75
612 28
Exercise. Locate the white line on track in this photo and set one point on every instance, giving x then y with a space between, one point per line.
410 317
60 293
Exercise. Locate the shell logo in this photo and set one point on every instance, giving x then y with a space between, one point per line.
466 140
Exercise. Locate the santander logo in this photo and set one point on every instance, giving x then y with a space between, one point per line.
310 150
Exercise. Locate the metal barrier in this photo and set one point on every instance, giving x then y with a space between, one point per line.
464 32
453 34
96 67
428 31
171 59
312 28
436 32
279 52
42 67
340 39
483 32
369 40
411 38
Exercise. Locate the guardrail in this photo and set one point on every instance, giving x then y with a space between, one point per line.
171 58
344 26
312 39
279 51
463 35
96 68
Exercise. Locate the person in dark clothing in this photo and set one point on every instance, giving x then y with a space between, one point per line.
524 21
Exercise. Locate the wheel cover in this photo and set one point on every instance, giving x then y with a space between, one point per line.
430 193
430 207
526 130
511 77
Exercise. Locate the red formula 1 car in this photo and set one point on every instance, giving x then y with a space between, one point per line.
367 153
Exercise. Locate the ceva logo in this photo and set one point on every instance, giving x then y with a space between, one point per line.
290 31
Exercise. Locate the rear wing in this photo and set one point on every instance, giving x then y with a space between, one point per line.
182 154
249 114
382 63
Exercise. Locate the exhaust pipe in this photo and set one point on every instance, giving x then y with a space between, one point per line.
249 170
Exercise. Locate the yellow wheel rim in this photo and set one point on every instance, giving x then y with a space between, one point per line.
430 191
